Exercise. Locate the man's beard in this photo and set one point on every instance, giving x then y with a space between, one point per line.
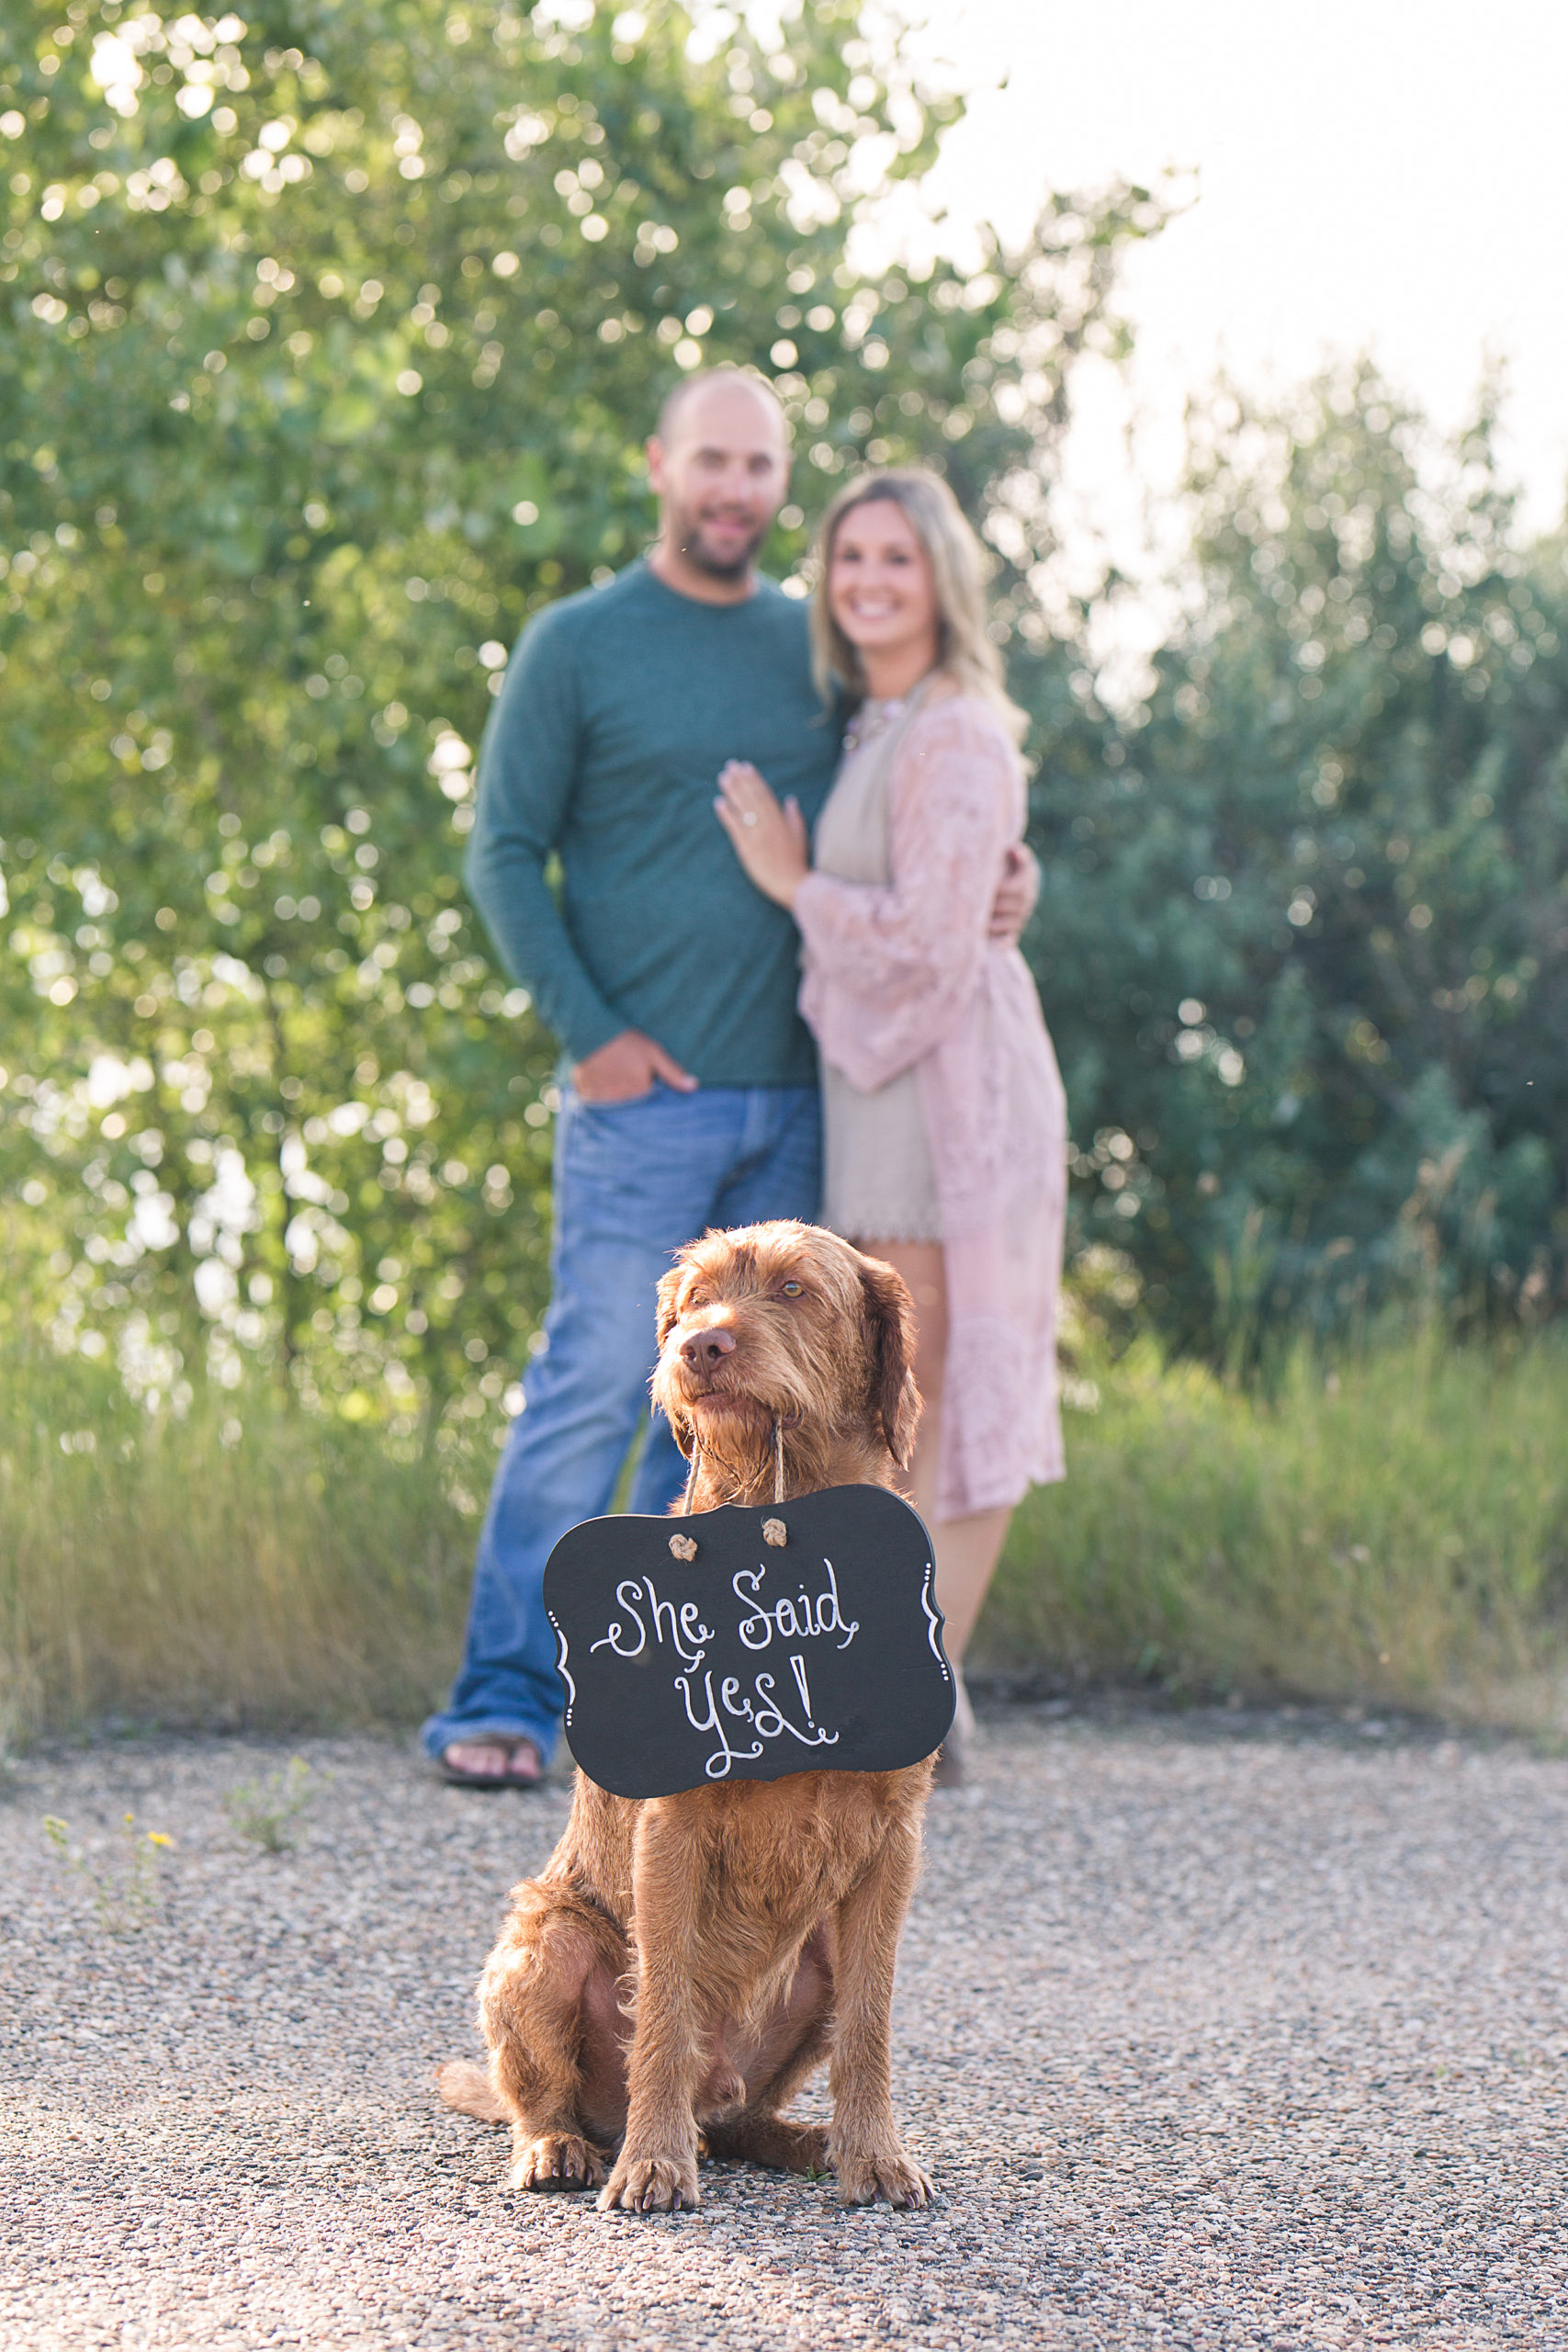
687 533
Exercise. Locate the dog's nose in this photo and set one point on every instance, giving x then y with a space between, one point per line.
704 1349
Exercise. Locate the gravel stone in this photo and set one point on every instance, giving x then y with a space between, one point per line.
1214 2032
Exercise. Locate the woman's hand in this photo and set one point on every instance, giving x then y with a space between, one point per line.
1016 895
769 840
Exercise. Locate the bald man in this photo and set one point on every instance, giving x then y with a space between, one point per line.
691 1098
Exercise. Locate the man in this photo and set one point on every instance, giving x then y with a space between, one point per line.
671 982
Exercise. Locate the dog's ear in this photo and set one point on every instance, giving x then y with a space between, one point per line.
668 1288
681 1428
890 1317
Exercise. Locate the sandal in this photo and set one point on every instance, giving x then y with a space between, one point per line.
509 1750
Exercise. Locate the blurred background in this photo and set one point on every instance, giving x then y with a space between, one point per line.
332 336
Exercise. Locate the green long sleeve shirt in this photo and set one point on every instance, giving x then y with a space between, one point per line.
620 706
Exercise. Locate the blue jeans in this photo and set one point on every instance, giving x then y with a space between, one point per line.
633 1183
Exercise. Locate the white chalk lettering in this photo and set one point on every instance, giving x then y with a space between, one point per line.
792 1621
692 1628
629 1595
756 1631
772 1722
662 1609
686 1631
799 1666
834 1622
724 1755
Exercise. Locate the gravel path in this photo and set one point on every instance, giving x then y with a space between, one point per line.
1212 2034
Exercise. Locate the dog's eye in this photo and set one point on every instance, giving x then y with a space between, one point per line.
792 1290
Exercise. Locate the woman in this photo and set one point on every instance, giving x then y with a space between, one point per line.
944 1121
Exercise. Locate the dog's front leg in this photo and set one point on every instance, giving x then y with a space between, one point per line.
867 2149
657 2170
534 2005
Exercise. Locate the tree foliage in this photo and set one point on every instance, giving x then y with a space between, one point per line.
1304 935
334 334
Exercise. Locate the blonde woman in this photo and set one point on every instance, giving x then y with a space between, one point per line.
944 1122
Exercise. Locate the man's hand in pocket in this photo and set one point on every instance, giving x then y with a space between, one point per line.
626 1067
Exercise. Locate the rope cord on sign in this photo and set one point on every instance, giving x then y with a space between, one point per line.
696 1471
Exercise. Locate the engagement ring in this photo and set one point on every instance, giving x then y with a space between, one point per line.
747 816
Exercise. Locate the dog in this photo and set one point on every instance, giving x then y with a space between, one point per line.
684 1963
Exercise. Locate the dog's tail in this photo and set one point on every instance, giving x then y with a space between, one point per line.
468 2088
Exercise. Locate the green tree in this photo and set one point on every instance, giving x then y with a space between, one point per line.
1305 934
334 332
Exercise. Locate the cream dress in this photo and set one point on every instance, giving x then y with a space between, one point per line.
945 1118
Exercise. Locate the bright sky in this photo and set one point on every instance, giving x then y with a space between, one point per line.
1382 175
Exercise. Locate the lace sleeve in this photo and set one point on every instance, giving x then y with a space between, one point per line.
889 966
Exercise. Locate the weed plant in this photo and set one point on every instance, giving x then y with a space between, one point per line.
267 1811
126 1893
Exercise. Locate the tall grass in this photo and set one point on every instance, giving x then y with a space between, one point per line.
242 1563
1394 1530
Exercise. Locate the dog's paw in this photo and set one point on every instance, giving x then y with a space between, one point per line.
652 2185
887 2174
557 2160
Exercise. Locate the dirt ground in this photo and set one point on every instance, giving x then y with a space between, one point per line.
1213 2032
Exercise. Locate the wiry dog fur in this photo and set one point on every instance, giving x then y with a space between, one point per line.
683 1964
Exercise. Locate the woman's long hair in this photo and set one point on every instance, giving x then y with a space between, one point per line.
965 651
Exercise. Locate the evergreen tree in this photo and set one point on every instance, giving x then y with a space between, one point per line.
1304 938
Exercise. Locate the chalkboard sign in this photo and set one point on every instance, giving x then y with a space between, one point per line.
746 1643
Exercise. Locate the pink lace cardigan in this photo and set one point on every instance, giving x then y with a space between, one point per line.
906 977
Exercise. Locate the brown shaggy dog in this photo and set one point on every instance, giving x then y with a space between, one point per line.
753 1924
